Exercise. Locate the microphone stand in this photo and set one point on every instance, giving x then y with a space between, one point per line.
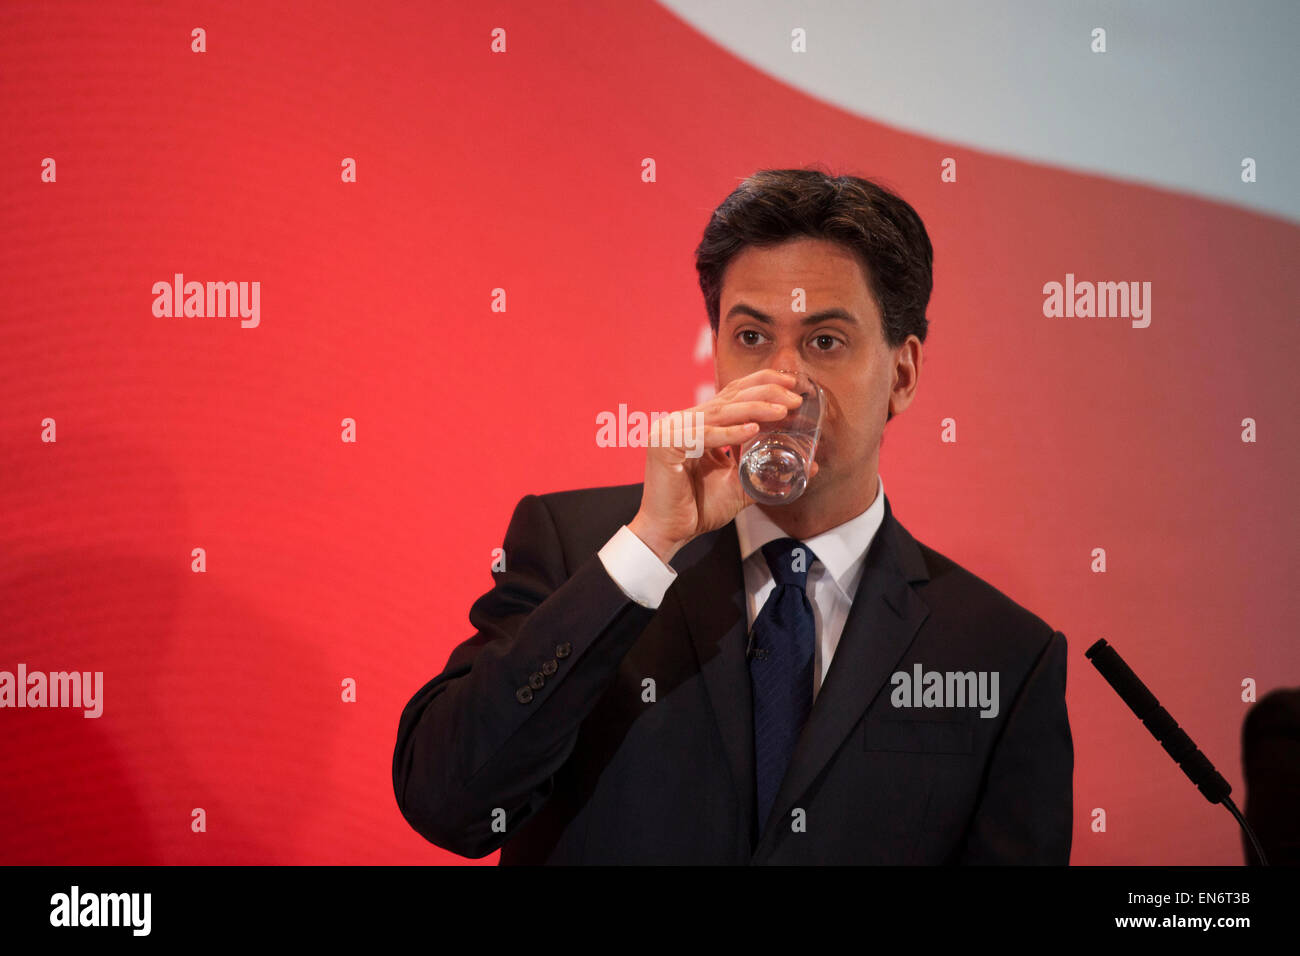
1166 730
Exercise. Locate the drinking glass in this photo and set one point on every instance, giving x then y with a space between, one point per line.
774 463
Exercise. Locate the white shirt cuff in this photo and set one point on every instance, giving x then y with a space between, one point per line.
635 568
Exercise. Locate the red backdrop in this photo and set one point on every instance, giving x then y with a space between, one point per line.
329 560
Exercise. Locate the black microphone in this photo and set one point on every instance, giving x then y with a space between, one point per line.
1165 729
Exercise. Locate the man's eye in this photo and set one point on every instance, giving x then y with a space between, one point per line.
829 341
748 341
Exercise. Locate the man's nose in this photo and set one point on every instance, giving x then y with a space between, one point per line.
787 360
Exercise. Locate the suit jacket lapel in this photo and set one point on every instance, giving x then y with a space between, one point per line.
710 589
884 618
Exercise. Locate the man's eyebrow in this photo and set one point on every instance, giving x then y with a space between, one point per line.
813 318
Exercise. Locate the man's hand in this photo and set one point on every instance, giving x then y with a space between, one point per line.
685 497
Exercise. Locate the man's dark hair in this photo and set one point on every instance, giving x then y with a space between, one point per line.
882 230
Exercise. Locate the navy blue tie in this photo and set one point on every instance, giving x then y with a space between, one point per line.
781 667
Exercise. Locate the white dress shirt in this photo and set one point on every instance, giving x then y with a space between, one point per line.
832 578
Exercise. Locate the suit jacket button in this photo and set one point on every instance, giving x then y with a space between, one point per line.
563 650
536 681
524 695
549 668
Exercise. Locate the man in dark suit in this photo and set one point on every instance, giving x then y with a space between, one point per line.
668 672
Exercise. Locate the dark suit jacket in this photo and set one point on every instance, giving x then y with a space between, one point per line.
538 738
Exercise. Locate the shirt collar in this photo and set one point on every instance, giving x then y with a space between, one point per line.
841 549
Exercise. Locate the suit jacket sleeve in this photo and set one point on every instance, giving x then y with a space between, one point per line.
472 742
1026 809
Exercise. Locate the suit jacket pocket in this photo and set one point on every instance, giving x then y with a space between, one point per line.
938 736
